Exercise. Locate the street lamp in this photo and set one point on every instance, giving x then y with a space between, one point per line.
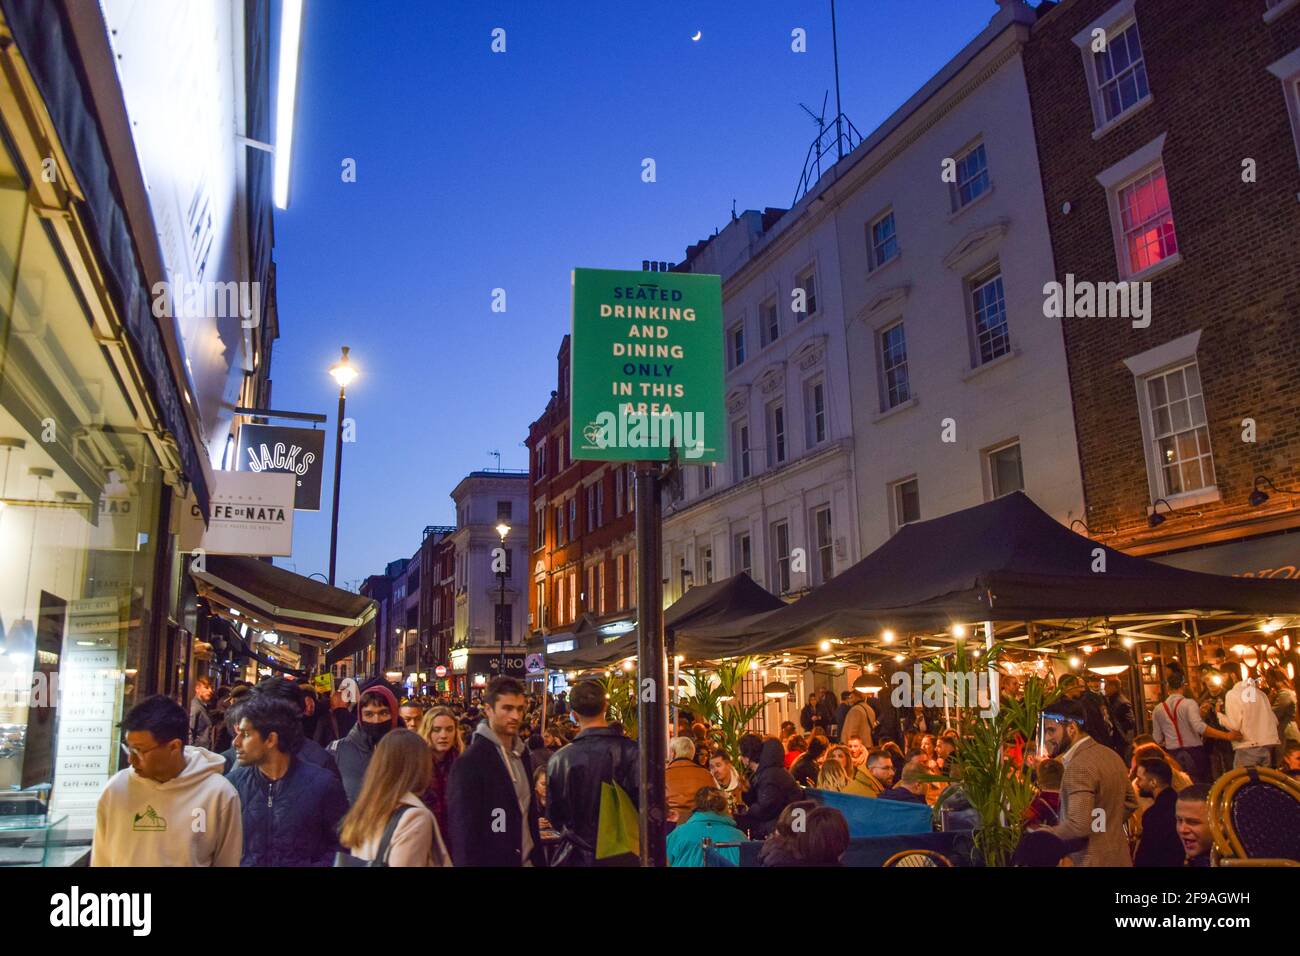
503 529
343 373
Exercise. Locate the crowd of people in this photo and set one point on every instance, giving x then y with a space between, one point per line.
276 775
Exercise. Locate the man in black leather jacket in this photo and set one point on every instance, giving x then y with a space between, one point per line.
599 754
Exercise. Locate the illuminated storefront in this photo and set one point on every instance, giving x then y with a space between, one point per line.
81 495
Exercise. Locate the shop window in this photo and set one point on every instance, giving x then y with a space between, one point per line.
81 491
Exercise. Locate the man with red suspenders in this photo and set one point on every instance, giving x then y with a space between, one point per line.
1177 725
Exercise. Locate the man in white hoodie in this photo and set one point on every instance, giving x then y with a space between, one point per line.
172 807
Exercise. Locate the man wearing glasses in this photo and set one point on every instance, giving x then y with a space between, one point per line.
172 806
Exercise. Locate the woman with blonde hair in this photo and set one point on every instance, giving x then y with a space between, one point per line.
832 776
398 773
441 731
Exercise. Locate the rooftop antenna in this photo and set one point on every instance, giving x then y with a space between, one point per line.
819 120
498 457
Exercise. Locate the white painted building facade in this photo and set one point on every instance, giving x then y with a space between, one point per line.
927 250
782 507
959 383
483 500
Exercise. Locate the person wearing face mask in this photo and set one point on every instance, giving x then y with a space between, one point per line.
377 712
1095 795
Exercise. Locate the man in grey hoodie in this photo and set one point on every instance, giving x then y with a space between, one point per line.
492 815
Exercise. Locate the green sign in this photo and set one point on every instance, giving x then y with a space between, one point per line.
646 369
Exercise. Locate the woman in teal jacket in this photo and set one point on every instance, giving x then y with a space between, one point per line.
709 820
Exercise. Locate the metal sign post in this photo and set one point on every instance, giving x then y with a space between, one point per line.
652 681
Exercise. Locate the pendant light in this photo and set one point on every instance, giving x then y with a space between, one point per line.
1109 661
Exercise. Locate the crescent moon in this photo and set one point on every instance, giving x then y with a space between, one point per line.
698 34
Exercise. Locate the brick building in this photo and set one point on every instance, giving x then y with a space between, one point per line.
581 539
1170 157
437 601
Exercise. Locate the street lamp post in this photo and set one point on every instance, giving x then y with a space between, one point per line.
503 529
344 374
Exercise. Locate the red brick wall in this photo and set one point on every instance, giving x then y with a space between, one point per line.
554 484
1240 279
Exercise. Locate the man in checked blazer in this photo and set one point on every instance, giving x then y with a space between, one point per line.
1096 798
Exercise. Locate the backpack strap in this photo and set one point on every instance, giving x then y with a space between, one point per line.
381 855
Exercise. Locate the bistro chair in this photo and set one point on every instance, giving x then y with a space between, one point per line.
918 858
1255 818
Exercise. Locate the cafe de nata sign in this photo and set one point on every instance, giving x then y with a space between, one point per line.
646 367
251 514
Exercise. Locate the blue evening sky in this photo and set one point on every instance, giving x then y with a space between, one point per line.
478 170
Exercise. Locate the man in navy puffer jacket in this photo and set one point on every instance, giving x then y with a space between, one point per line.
291 808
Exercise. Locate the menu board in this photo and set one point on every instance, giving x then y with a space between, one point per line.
90 702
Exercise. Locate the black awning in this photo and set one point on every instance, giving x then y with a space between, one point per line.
353 644
257 593
1005 560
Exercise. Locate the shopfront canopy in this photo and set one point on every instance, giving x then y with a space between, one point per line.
1003 561
735 597
246 590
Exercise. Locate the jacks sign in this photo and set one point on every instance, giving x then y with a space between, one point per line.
297 451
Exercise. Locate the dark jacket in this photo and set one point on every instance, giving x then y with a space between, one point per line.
201 725
1124 724
825 712
310 752
1096 719
805 771
293 821
903 795
1160 845
770 790
888 721
352 753
841 712
479 789
573 782
435 797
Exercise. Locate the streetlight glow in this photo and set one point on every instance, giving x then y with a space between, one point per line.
343 371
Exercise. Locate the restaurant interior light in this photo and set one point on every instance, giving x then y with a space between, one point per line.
776 689
824 646
959 630
1109 661
1075 662
286 96
887 636
1268 627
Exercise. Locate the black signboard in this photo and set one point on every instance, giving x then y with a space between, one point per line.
299 451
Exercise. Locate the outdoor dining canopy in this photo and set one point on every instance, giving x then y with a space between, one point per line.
1009 562
739 596
245 590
